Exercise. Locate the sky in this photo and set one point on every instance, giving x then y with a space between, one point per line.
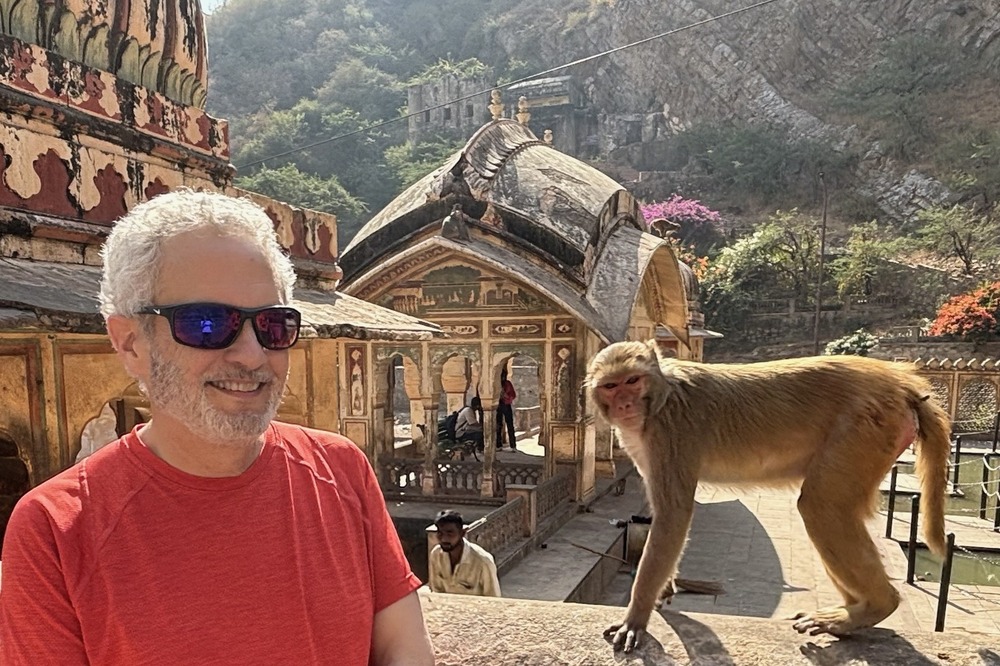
208 6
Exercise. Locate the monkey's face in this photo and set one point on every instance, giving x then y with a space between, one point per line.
619 381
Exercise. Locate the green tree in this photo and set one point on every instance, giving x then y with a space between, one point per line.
327 195
357 159
865 266
961 233
778 260
411 162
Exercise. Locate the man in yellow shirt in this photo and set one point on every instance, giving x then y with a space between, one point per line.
457 565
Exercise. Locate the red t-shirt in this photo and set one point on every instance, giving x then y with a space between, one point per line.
124 559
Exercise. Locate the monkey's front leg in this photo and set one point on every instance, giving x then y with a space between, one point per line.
657 569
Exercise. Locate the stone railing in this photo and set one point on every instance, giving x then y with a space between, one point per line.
526 419
551 494
521 474
501 528
457 477
401 474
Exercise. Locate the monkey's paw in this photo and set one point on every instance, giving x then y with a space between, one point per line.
626 635
832 620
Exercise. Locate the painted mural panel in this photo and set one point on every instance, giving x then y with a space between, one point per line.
453 289
563 328
518 329
564 385
463 330
356 364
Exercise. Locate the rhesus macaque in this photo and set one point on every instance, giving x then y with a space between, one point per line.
834 423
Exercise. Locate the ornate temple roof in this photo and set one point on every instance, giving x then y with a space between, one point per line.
543 217
159 45
513 182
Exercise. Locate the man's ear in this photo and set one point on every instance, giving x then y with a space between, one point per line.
128 342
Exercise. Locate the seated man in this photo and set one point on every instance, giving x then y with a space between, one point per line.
468 425
457 565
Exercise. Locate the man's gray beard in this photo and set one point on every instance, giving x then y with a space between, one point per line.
190 405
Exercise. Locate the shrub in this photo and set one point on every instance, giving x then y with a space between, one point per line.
974 314
858 343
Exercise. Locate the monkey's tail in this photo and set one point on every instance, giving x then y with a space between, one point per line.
932 467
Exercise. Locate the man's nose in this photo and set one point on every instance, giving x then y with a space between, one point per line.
246 349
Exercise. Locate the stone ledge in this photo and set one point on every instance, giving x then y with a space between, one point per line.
469 631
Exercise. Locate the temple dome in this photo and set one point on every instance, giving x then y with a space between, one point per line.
158 44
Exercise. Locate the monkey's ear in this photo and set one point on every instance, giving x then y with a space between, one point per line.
654 348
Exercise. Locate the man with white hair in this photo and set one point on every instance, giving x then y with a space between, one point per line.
210 534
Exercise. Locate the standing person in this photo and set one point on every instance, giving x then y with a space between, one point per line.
505 411
211 534
457 565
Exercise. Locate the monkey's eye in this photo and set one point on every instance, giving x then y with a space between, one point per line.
632 380
609 386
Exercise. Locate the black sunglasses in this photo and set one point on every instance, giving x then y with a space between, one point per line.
216 325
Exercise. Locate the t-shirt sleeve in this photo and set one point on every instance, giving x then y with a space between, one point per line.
37 621
391 572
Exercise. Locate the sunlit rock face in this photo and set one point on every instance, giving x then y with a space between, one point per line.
158 44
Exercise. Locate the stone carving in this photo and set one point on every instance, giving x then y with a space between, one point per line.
454 224
356 377
523 115
564 391
496 105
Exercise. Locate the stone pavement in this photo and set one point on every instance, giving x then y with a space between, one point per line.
481 631
755 544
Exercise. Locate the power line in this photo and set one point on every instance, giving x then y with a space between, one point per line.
547 72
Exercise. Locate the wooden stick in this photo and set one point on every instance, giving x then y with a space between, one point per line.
687 584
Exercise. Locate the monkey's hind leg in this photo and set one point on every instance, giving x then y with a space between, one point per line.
835 523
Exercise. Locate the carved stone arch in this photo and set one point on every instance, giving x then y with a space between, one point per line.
384 411
448 380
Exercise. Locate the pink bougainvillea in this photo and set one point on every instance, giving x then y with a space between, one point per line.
680 210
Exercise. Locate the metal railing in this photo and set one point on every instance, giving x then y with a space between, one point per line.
990 488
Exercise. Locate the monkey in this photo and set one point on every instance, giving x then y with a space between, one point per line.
833 424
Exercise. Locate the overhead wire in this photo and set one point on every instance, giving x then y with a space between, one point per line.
537 75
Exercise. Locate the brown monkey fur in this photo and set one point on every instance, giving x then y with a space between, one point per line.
835 424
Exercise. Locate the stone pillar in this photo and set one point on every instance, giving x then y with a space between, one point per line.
604 450
529 517
428 480
490 445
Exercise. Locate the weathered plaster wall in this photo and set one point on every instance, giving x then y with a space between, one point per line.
159 45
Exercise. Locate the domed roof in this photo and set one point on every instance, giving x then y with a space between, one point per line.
158 45
514 184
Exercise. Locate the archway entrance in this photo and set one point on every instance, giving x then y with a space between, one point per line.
14 481
524 373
